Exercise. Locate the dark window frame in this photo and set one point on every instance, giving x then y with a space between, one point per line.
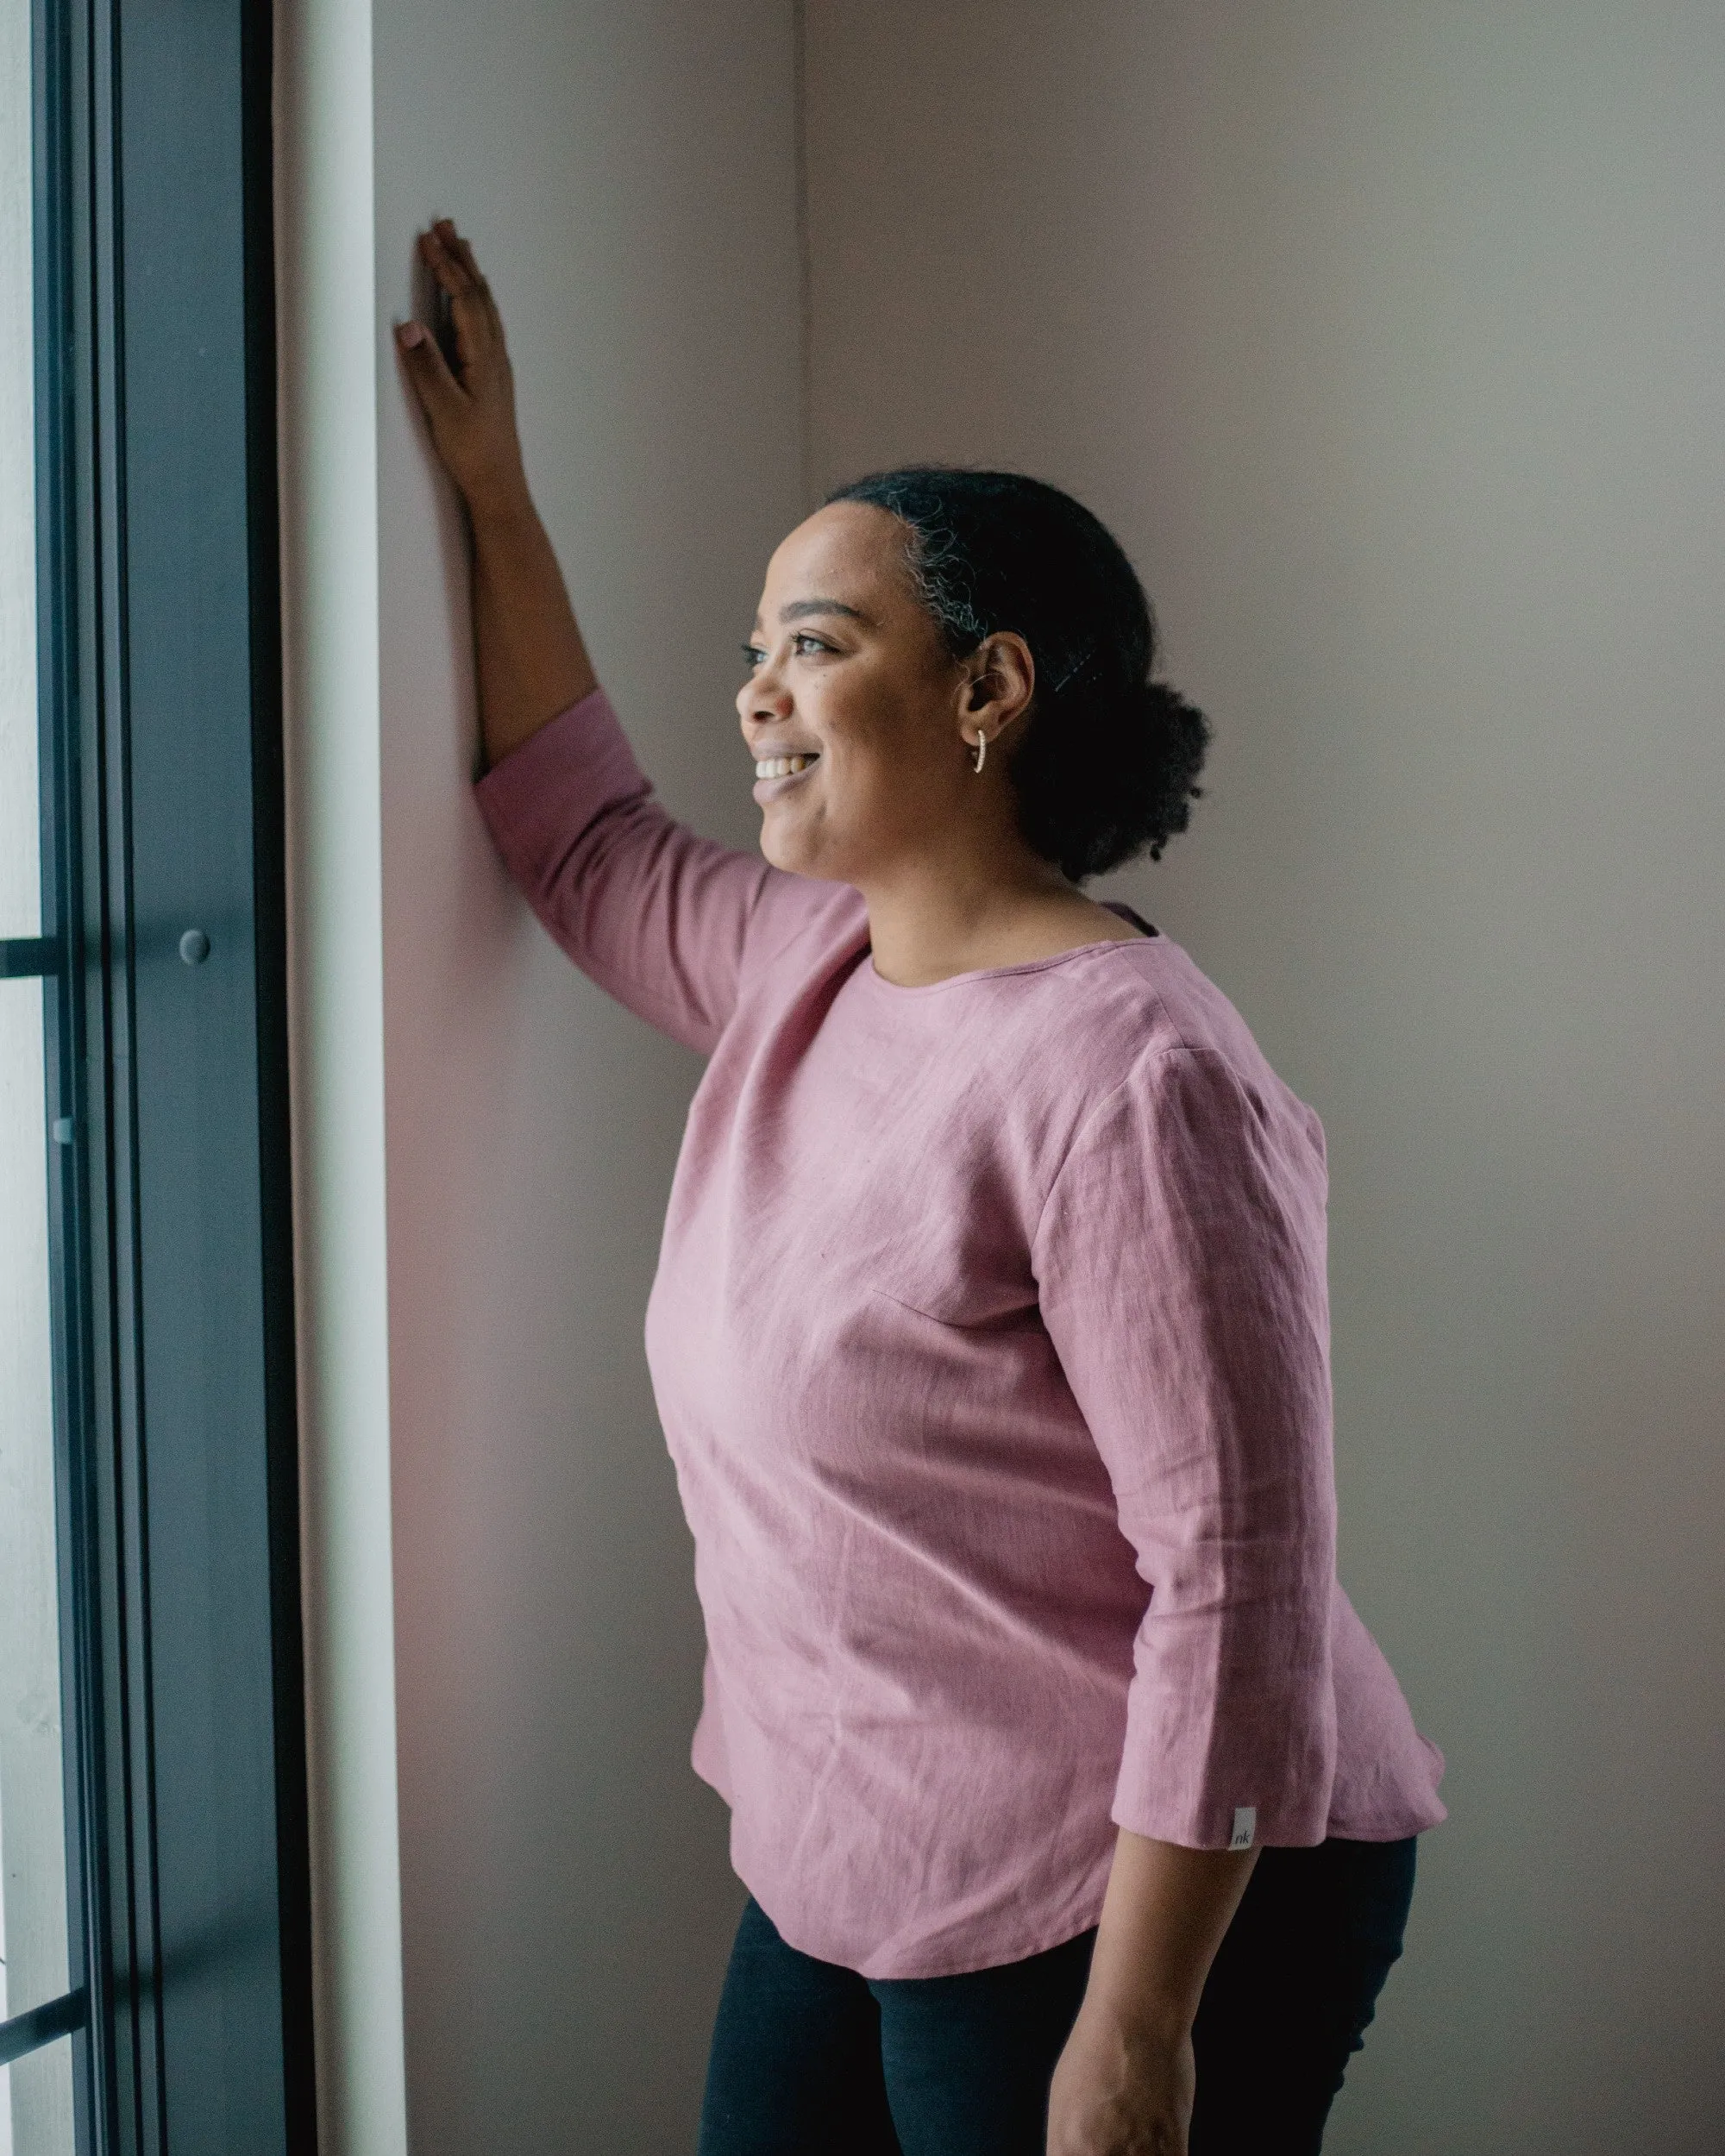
159 674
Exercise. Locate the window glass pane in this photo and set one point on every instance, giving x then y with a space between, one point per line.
35 2091
33 1905
35 2113
34 1960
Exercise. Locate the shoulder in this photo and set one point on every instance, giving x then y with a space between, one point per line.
1134 1038
1111 1014
1185 1137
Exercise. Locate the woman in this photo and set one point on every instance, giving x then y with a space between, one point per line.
989 1338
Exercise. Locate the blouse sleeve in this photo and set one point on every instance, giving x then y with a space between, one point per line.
659 917
1181 1267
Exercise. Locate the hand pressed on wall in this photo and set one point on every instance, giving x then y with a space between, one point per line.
530 658
471 408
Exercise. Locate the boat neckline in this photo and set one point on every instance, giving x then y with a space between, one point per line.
1147 934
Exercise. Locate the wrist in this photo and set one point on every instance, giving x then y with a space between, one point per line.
499 500
1139 2020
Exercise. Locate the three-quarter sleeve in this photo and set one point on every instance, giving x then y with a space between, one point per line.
661 918
1180 1260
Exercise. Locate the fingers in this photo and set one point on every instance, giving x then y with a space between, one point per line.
458 275
452 262
428 371
451 272
461 249
477 322
477 285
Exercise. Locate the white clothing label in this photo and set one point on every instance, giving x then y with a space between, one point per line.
1245 1826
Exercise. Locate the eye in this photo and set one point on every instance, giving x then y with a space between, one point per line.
804 644
753 655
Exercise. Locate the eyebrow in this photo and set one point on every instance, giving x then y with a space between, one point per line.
800 608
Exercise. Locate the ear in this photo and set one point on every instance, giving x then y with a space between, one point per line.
999 683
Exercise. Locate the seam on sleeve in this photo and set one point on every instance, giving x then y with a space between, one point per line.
1152 1052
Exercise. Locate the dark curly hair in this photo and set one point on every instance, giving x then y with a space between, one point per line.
1108 763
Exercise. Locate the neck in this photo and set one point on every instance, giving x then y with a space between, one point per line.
931 918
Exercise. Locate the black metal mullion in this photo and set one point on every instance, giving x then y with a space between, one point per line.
43 2024
86 859
133 1943
269 823
28 958
176 1481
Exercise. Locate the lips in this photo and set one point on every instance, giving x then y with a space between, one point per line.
776 776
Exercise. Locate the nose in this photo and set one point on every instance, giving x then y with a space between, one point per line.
762 698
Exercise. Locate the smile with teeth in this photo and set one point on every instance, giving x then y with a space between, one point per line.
785 766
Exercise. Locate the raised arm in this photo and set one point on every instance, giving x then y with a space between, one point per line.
661 917
531 661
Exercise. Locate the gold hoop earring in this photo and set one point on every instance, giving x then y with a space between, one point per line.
982 755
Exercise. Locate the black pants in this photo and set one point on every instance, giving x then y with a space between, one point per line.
809 2059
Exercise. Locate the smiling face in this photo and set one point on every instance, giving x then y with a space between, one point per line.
857 717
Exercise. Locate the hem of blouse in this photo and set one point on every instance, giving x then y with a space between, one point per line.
1416 1821
959 1964
1383 1837
962 1965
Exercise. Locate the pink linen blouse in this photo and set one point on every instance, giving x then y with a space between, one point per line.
990 1337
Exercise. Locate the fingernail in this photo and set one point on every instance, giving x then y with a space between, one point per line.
410 333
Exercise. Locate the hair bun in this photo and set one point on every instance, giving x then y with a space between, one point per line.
1146 743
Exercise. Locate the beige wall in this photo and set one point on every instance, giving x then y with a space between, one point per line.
566 1904
485 1143
1391 340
